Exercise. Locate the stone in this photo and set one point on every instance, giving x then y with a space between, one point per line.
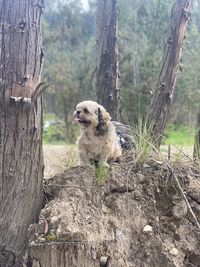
103 261
140 178
148 229
174 251
119 234
146 165
180 210
197 207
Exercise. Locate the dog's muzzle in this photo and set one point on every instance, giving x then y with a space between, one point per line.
78 118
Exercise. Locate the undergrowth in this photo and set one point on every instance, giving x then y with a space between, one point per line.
178 135
143 142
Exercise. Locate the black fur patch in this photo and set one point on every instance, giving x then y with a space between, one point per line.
101 128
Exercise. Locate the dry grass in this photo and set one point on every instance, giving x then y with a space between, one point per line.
58 158
178 153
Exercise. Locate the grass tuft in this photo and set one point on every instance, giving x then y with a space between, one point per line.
144 144
101 173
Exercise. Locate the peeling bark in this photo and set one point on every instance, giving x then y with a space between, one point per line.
159 107
21 156
108 57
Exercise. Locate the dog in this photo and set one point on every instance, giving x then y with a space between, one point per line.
98 142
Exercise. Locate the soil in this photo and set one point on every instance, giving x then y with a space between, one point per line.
136 217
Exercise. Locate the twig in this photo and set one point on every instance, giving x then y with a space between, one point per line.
38 90
184 196
127 182
169 152
64 186
184 154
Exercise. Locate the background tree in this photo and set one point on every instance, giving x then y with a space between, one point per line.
186 99
142 29
159 108
21 157
69 66
196 151
107 84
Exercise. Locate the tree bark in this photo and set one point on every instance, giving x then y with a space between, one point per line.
107 85
159 107
196 151
21 156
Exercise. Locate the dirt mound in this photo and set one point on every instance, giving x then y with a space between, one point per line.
137 217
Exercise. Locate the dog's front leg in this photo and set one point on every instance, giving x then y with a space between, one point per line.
103 158
83 157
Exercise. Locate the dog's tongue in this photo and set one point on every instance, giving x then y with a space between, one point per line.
76 119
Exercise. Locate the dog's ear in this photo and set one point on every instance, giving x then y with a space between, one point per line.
103 121
106 117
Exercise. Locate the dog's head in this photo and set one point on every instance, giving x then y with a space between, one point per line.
91 114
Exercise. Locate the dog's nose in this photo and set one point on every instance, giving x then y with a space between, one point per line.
78 112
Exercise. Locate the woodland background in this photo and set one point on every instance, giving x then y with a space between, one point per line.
46 216
69 40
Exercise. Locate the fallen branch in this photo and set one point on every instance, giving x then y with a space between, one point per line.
183 194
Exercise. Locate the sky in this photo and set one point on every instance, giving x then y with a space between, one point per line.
85 4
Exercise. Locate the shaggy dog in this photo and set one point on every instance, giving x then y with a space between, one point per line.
98 142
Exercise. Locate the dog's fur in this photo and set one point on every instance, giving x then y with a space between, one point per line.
98 142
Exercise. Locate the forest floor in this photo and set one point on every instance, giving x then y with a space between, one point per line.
137 216
58 158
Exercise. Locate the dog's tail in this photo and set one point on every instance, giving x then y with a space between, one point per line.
125 135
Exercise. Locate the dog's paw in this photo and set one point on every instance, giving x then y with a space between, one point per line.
104 164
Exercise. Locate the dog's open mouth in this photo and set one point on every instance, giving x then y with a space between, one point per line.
82 121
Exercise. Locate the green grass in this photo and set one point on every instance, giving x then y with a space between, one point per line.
55 134
178 135
143 142
101 173
54 131
174 135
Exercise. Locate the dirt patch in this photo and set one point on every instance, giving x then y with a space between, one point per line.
138 217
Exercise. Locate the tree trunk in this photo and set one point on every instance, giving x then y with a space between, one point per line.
159 107
21 156
107 57
196 151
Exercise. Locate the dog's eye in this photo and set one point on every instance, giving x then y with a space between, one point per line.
85 110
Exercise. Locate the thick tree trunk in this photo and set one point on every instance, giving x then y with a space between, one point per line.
107 57
159 107
21 157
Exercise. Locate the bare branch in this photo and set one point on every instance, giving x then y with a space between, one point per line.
183 194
